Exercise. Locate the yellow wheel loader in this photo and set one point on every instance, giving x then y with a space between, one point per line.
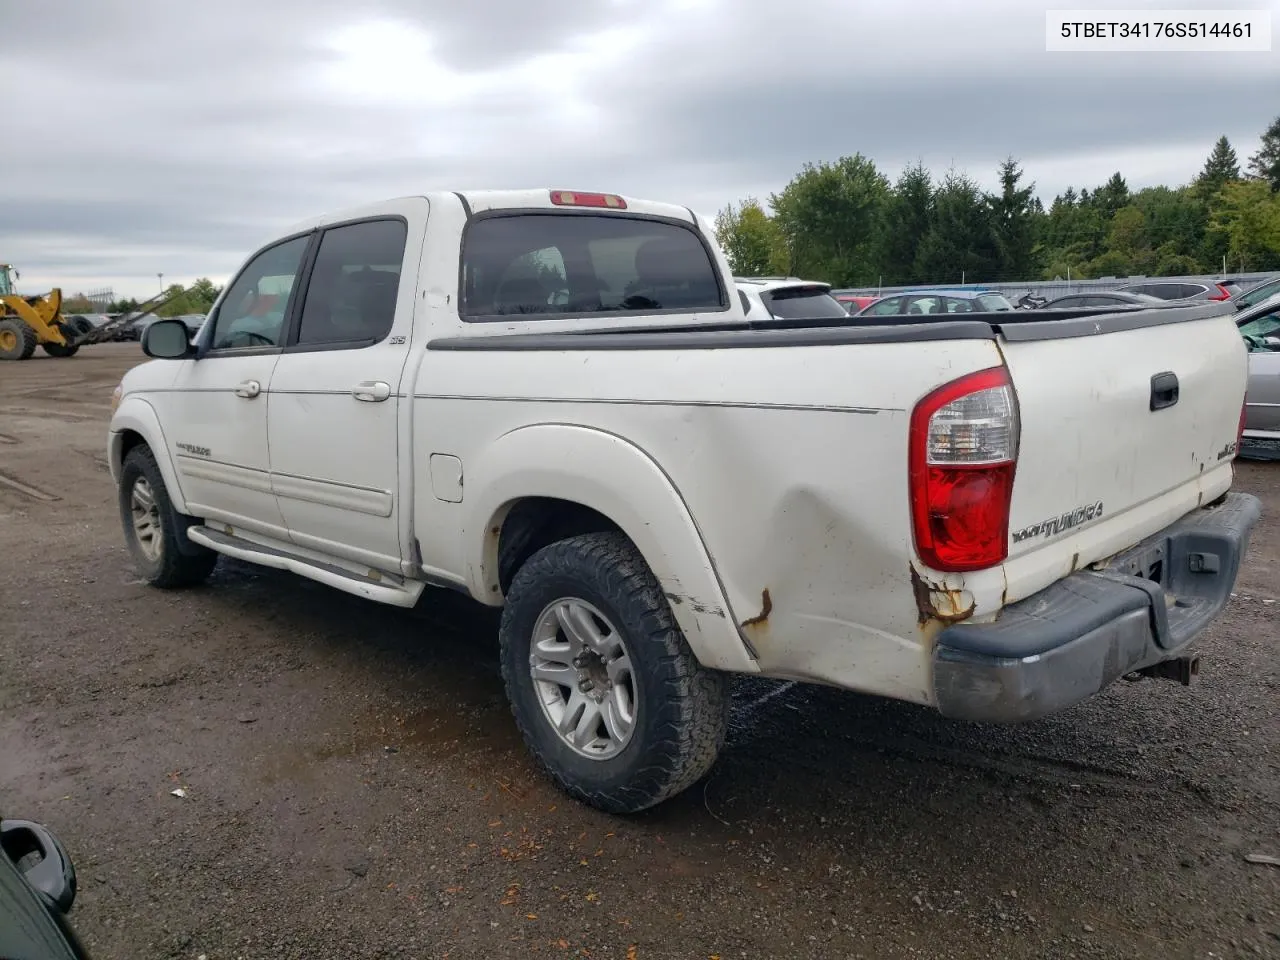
28 322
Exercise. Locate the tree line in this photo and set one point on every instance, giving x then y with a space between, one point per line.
846 223
197 298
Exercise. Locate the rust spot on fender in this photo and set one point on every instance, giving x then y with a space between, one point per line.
1075 562
928 609
761 618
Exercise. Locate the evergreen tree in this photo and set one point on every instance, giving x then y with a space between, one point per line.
1219 169
1265 164
1012 225
1111 196
959 244
908 214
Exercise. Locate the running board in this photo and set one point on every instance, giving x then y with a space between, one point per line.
387 588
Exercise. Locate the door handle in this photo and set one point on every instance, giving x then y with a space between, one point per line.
371 391
249 389
1164 390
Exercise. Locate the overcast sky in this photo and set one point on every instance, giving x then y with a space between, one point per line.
161 136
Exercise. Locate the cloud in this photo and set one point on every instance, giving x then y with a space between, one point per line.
175 138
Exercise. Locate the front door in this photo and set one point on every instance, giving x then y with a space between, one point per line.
216 421
336 392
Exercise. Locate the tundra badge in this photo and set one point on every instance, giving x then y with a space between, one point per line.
1059 524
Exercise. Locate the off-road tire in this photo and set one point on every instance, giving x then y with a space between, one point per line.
27 339
682 707
181 563
60 350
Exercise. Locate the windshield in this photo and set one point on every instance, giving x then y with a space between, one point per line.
1266 325
803 303
1259 293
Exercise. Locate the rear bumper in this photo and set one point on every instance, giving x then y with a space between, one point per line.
1079 635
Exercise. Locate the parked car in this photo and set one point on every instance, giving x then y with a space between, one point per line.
1260 327
37 889
658 495
853 302
1180 289
938 301
788 298
1111 298
1256 294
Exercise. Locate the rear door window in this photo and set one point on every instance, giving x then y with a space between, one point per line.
885 307
351 297
994 302
541 264
924 305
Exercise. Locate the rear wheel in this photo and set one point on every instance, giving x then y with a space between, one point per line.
17 340
609 698
155 532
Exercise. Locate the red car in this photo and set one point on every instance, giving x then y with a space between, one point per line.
853 302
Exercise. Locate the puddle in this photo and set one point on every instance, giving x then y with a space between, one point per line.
486 730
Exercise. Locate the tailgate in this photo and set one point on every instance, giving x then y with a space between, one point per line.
1098 467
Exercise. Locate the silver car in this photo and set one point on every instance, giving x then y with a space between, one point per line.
1260 327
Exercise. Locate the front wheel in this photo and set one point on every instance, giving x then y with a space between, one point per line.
17 339
152 527
609 698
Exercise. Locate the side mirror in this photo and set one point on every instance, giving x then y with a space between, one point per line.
41 859
167 340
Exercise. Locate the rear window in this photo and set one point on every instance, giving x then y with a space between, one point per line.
803 303
583 264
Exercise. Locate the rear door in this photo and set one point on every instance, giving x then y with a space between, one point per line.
336 400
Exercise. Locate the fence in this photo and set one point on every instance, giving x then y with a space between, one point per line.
1061 288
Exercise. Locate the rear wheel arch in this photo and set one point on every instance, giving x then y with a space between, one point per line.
532 523
549 482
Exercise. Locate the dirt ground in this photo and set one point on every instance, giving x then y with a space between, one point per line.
355 786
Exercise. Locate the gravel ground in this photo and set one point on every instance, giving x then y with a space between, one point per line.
355 786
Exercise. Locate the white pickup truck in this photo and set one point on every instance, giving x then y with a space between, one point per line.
553 402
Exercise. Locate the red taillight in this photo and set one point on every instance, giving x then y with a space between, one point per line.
1244 409
570 198
962 458
1223 293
